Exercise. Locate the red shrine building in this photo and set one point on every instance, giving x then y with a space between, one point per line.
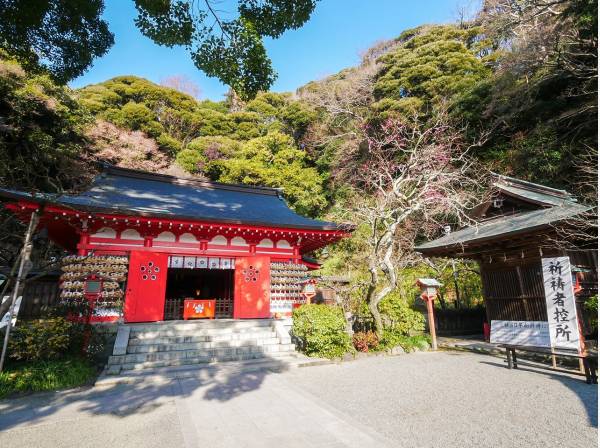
151 242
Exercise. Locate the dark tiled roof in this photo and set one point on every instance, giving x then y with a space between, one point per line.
530 192
505 226
132 192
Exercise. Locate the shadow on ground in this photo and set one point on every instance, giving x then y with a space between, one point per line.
217 382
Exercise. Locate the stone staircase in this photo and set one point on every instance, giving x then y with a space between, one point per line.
187 343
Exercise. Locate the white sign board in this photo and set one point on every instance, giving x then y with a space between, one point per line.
560 303
282 306
520 332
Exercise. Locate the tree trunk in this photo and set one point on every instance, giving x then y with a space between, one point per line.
372 300
374 309
387 266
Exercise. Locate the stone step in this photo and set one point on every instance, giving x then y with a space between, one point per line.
209 353
203 371
203 324
202 335
139 366
148 347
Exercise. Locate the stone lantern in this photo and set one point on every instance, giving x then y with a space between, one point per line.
429 290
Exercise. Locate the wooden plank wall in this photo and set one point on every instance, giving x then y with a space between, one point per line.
514 290
38 297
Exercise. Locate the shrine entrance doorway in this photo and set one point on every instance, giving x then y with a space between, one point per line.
206 278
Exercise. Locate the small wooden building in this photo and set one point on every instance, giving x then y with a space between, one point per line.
157 240
522 223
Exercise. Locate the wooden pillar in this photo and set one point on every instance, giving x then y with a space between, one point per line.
481 265
431 319
84 240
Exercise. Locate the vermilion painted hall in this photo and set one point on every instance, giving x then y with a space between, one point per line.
155 241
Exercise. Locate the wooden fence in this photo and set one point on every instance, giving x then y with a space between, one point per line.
448 322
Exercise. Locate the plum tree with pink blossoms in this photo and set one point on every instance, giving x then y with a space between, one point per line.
414 179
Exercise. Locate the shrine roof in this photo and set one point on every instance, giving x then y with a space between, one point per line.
531 192
502 227
539 209
138 193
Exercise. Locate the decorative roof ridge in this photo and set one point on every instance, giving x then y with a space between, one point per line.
555 208
564 214
501 180
108 169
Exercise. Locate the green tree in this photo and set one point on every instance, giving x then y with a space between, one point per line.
215 147
135 116
274 161
190 160
61 36
41 132
431 64
203 149
64 36
539 108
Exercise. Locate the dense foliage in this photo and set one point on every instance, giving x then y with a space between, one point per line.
257 145
591 305
46 354
408 343
539 105
398 317
431 64
320 330
520 99
46 376
64 36
40 340
41 130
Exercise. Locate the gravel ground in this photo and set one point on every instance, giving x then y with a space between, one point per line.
443 399
451 399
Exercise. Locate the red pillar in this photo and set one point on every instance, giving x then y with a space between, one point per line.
84 241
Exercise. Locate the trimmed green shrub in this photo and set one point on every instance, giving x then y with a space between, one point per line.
135 116
391 339
96 342
42 339
398 316
321 330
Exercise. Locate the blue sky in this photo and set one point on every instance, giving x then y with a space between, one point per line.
338 31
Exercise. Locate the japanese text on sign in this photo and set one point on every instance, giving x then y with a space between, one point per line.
518 332
560 303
